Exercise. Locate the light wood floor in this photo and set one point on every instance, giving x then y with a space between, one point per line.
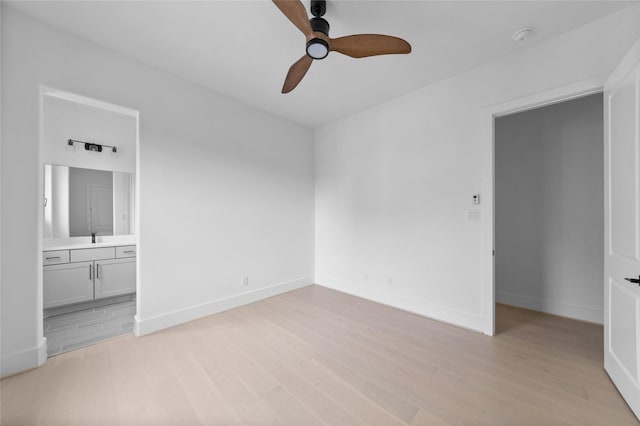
316 356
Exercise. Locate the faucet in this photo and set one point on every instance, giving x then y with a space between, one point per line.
93 238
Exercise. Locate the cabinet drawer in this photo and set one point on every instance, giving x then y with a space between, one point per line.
82 255
125 251
55 257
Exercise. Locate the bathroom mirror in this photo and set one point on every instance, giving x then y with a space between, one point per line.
80 201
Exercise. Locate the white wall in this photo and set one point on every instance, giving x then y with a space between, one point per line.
394 183
225 190
63 119
549 215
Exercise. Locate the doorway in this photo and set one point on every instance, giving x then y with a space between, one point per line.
549 221
88 161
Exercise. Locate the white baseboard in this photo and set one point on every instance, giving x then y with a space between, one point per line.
552 307
24 360
159 322
418 306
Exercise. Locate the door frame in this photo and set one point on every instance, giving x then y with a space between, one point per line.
487 218
44 90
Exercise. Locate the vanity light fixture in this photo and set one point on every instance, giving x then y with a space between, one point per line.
89 146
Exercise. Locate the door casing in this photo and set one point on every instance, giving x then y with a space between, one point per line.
487 218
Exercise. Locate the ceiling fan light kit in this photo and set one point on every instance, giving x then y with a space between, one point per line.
317 48
319 44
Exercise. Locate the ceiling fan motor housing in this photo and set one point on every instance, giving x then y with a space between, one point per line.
320 25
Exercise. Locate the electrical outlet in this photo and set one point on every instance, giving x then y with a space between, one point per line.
390 282
366 276
473 215
245 281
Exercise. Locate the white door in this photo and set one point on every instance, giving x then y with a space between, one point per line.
100 209
622 228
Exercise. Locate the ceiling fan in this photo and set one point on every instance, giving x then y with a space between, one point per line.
319 44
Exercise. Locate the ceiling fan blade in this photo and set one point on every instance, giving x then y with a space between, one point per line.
296 73
297 14
363 45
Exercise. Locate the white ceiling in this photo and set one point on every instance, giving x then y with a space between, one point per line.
244 48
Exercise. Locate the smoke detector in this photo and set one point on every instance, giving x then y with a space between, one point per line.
522 35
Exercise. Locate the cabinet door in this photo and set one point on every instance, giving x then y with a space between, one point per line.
115 277
68 283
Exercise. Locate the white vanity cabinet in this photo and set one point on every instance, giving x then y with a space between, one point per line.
84 274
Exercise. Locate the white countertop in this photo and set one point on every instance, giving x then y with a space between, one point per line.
69 243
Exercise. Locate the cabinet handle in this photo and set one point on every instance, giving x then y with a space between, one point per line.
128 251
98 270
634 280
53 257
90 272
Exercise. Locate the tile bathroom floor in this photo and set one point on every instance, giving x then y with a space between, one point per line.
73 330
